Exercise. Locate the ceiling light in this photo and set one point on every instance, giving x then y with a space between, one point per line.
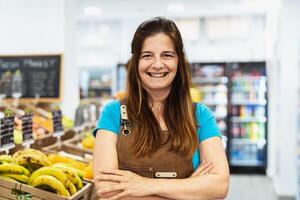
175 8
92 10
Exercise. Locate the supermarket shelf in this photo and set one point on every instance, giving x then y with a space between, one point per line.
249 102
260 142
247 163
249 119
222 79
249 78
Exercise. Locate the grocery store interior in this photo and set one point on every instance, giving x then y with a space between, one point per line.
62 60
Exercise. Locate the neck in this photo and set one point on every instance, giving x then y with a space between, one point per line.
156 99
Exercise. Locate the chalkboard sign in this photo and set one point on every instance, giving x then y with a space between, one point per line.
32 76
27 127
57 121
7 132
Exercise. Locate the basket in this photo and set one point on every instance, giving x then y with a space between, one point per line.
14 190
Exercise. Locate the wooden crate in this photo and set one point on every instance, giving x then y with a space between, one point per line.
75 143
49 139
13 190
55 148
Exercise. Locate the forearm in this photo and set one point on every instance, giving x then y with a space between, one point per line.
153 197
110 194
210 186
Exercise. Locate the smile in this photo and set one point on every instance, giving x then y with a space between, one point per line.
157 75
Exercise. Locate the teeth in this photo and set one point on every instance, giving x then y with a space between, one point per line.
158 75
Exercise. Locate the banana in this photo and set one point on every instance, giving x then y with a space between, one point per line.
57 173
74 178
29 151
18 177
26 159
77 171
5 159
32 167
71 187
7 178
50 181
13 168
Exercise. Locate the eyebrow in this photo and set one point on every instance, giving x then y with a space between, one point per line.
172 52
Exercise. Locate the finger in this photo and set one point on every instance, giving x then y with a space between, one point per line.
119 195
206 165
110 188
111 177
201 168
112 171
206 170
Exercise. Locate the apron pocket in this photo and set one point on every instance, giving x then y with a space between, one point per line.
142 171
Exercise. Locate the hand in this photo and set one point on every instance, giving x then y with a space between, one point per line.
129 183
204 168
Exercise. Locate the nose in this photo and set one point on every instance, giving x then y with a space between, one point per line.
158 64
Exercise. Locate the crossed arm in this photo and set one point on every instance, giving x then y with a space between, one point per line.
119 184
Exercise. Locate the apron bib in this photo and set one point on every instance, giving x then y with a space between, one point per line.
163 163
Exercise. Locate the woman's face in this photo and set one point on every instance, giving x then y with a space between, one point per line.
158 63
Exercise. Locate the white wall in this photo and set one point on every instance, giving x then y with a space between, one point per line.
31 26
41 27
70 97
285 178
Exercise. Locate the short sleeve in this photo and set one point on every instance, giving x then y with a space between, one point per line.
207 124
109 118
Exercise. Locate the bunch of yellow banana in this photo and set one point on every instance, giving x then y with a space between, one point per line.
62 179
31 159
14 172
5 159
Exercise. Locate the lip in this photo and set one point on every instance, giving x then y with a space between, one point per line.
157 75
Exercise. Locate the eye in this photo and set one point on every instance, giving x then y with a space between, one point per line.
168 55
146 56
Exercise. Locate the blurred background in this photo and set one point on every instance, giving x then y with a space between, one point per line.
245 63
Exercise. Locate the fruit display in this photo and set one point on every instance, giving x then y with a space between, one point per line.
88 141
82 169
67 122
34 168
42 122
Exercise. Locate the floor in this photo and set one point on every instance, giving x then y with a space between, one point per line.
251 187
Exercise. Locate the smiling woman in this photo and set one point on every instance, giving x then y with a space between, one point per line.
156 143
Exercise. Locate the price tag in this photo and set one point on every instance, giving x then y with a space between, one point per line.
7 133
57 121
27 129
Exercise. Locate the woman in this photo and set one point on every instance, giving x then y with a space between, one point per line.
147 146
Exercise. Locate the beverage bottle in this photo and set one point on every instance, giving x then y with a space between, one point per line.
17 84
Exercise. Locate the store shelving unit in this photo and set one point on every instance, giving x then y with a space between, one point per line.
236 93
248 118
96 82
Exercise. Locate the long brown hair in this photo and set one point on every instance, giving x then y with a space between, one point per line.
178 112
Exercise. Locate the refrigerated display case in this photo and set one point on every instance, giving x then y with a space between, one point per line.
247 148
237 94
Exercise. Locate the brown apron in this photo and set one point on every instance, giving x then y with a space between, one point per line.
163 163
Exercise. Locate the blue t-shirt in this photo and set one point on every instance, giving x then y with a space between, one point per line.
110 119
